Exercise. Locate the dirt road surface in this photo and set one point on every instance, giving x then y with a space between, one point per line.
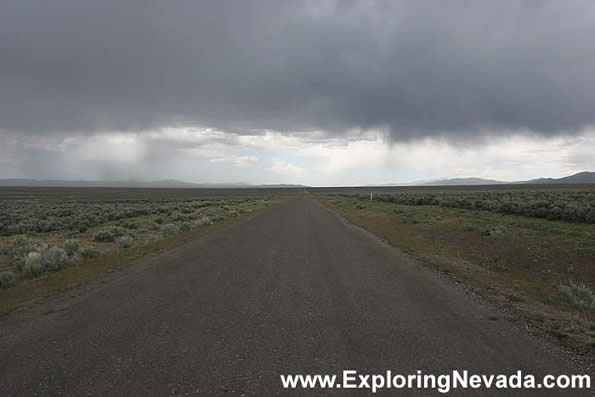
291 291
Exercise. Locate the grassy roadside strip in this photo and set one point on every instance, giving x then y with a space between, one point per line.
35 289
517 263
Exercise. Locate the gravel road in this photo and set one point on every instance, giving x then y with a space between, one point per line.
293 290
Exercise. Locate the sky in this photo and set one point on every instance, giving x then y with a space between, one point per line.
310 92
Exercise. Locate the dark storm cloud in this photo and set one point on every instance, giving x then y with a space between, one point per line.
417 68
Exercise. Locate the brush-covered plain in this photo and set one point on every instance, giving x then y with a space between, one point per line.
47 234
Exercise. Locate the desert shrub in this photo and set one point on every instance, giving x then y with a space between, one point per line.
158 221
579 324
184 226
24 216
468 227
33 258
493 231
104 237
360 206
89 253
17 252
130 225
73 260
576 295
71 247
117 232
176 216
126 241
33 266
571 206
205 220
170 230
53 258
7 279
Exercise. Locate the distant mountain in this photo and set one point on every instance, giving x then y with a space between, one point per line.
287 185
584 177
580 178
166 184
464 181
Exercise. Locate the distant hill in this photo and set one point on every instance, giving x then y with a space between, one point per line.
287 185
580 178
464 181
166 184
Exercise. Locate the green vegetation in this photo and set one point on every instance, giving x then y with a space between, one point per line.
126 241
567 205
576 295
75 210
71 247
105 237
170 230
34 259
7 279
40 235
89 253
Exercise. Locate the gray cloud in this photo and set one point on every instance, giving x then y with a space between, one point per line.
415 68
